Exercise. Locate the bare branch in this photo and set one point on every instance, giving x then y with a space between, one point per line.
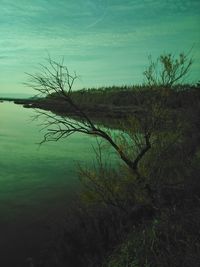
56 79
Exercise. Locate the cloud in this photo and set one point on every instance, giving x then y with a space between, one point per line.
93 34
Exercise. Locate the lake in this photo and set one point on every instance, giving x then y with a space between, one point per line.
36 182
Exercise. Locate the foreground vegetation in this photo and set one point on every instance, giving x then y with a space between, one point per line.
122 221
143 208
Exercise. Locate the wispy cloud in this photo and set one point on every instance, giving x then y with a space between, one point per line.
93 34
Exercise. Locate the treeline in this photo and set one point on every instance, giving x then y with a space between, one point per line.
180 95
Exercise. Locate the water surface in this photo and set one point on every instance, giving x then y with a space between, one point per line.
36 182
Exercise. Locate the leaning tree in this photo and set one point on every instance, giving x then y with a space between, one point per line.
55 78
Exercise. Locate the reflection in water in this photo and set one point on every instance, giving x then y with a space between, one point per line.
35 181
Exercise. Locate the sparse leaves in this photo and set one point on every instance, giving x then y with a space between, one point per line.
167 70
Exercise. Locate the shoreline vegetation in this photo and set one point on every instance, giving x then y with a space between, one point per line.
157 231
144 211
112 103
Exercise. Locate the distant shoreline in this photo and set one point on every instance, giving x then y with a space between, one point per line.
111 104
61 107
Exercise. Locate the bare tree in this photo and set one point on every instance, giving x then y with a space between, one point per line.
56 78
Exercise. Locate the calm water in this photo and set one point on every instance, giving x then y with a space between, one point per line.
36 182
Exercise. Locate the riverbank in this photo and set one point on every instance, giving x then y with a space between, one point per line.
119 221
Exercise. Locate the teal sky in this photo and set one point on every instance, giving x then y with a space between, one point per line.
105 41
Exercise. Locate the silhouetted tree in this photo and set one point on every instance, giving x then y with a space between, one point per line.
56 78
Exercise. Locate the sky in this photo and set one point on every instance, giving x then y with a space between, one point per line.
107 42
